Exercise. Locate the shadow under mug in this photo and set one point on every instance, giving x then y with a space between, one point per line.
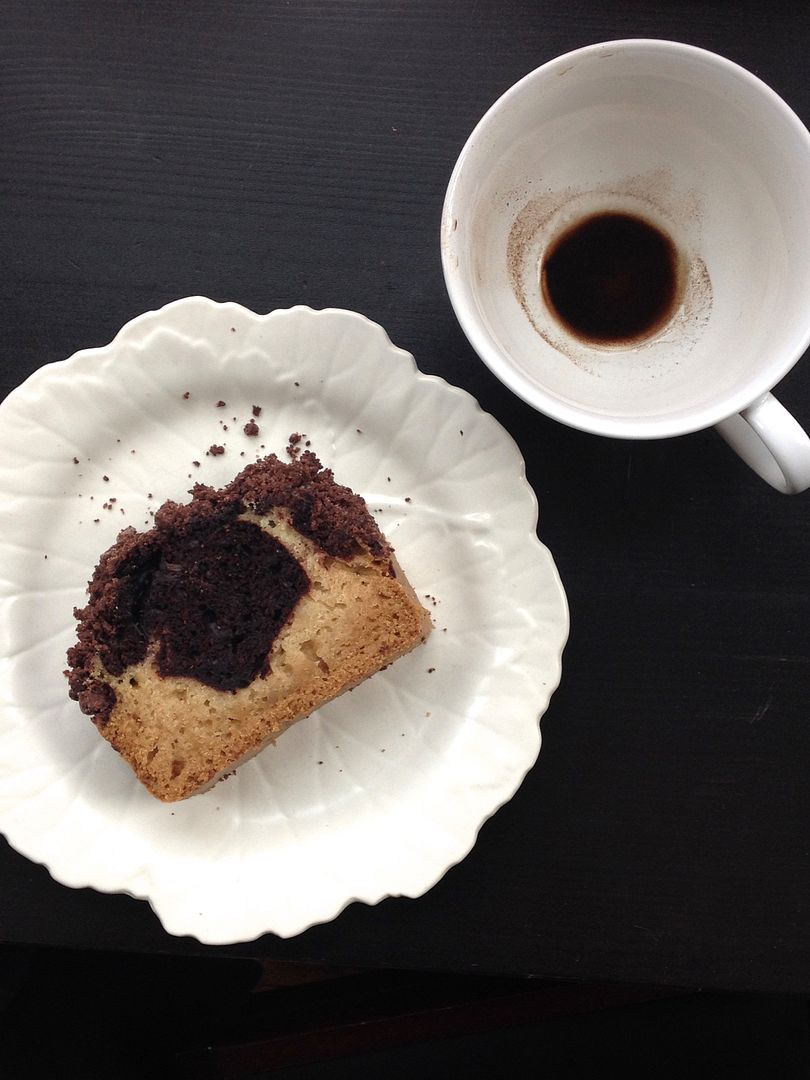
701 151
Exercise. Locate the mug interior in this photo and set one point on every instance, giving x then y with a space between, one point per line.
681 137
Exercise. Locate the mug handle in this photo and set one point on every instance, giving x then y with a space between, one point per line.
772 442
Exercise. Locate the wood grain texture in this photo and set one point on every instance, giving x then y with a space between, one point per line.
276 153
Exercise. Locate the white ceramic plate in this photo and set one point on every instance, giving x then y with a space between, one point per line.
378 793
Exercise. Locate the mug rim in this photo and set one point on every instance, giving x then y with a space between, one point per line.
496 358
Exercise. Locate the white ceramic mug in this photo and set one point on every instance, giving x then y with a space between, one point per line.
694 145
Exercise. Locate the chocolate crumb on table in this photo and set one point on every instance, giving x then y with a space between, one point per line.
187 395
221 404
251 428
257 410
214 450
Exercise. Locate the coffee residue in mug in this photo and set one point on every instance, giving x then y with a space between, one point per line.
544 221
612 278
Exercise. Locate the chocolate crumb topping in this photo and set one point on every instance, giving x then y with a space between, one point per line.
331 515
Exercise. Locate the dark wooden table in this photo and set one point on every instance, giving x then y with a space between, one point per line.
275 153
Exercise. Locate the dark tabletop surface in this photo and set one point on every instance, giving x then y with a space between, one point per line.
275 153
